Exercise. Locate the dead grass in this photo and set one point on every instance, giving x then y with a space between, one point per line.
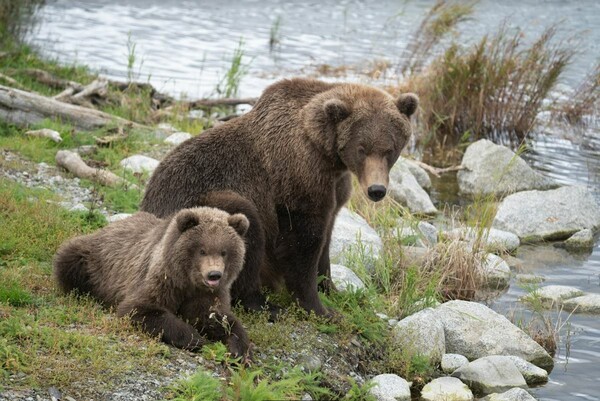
440 20
585 100
493 89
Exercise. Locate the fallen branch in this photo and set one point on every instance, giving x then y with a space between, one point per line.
10 80
195 104
27 108
45 133
438 171
72 162
44 77
82 96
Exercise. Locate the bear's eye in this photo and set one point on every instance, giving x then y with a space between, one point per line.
362 151
223 253
202 252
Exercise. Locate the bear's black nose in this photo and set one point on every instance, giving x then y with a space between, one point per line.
214 275
376 192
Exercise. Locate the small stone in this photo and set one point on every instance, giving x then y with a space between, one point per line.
178 138
581 240
55 395
490 374
139 164
493 239
552 295
530 278
451 362
446 389
79 207
117 217
166 127
345 279
306 397
421 234
310 363
46 133
515 394
531 373
589 303
390 387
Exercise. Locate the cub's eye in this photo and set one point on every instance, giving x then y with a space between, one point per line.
223 253
202 252
362 151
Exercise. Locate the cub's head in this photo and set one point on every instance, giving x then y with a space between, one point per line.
211 244
367 129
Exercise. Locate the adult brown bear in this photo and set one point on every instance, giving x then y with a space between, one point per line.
291 156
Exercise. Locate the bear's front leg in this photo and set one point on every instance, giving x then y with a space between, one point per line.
302 237
225 327
158 321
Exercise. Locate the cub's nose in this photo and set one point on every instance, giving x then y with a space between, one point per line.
214 275
376 192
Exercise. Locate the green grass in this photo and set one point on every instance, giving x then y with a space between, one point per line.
37 329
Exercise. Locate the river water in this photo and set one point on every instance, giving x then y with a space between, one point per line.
185 48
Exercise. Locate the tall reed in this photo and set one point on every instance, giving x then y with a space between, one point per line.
493 89
16 18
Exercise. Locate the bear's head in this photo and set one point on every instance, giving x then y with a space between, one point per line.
366 129
210 246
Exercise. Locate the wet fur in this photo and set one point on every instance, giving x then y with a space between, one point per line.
290 157
151 269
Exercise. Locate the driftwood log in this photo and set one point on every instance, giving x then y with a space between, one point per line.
24 108
73 163
195 104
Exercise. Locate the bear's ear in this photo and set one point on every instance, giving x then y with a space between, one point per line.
407 103
186 220
336 110
239 222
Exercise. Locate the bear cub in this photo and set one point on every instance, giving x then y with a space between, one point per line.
172 275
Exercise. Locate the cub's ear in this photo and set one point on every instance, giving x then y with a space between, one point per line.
336 110
407 103
186 220
239 222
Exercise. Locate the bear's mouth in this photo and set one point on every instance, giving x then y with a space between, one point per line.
212 283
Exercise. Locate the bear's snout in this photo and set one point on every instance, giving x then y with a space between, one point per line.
214 277
376 192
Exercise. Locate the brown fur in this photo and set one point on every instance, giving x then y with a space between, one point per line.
291 157
164 273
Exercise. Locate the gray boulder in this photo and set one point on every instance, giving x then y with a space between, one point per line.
417 171
451 362
495 271
552 295
548 215
345 279
474 330
531 373
139 164
446 389
493 240
490 374
589 303
405 189
491 169
515 394
581 240
351 233
390 387
421 334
